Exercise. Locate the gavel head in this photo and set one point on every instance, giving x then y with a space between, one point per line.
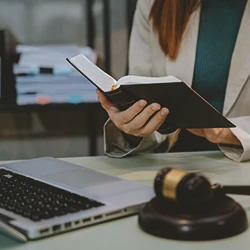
182 187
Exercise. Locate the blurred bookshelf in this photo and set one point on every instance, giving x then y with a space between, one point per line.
64 108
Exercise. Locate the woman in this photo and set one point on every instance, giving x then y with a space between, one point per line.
206 44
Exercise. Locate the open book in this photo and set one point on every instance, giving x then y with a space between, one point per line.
187 108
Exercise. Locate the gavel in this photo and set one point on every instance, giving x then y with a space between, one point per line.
187 188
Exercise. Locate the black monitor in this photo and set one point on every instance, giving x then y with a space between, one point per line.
8 57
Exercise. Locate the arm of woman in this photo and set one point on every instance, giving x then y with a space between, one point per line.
122 138
242 134
233 142
130 132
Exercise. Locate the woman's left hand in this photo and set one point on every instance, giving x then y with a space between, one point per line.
217 135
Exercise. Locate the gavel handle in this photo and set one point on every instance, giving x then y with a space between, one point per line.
240 190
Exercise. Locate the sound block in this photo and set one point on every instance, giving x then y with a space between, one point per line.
222 217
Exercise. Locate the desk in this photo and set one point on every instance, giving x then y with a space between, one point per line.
125 233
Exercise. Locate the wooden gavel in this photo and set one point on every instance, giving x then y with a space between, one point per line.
190 188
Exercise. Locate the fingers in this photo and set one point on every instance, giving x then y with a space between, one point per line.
220 135
135 120
106 104
197 131
156 122
135 112
120 118
140 126
214 135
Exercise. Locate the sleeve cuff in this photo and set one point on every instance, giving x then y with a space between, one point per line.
115 145
238 153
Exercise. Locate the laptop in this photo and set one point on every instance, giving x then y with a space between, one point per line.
46 196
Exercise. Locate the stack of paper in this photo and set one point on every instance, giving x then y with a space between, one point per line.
44 76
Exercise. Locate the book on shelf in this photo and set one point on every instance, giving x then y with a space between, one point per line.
187 109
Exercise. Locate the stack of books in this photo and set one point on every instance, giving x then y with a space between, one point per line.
43 76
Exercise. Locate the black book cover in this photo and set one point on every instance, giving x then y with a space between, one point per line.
186 108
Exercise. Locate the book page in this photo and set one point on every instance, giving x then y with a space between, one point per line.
96 75
131 79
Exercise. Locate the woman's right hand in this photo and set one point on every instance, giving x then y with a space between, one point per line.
134 120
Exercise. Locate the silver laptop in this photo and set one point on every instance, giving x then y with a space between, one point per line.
46 196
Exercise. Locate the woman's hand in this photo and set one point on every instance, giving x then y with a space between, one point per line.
134 120
217 135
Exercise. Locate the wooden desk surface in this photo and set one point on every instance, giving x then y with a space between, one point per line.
125 233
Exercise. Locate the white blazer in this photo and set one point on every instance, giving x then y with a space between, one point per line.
147 59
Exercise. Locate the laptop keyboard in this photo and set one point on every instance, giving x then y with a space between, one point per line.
37 200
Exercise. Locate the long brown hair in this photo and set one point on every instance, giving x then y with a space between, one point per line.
170 18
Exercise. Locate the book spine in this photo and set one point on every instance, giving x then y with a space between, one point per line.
122 98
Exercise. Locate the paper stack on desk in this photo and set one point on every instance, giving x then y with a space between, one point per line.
43 76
